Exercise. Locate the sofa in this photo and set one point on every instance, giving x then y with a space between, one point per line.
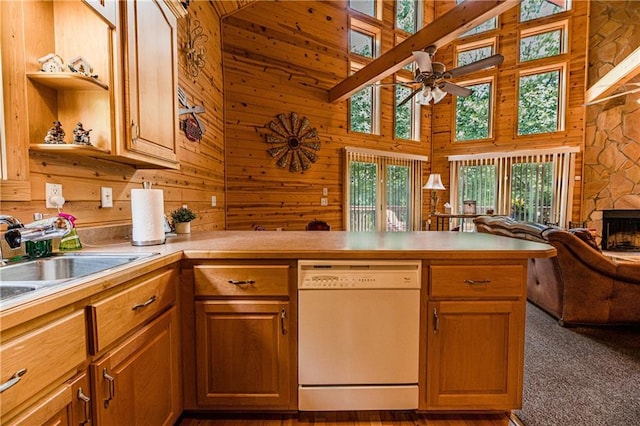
579 285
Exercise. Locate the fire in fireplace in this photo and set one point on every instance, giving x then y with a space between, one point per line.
621 230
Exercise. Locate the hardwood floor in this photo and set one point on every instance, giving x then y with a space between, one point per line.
342 418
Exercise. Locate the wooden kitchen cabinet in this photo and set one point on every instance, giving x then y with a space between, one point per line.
138 382
68 405
149 40
129 104
244 336
242 353
134 337
35 366
475 337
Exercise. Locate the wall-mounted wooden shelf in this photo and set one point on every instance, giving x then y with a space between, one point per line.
70 149
67 81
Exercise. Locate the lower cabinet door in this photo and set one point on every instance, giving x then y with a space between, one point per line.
242 352
475 352
139 382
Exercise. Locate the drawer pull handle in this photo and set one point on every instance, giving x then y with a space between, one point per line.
477 282
13 380
144 304
241 282
87 407
112 387
436 319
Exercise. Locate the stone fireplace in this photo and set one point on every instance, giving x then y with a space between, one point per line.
621 230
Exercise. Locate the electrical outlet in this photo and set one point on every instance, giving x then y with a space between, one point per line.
53 195
324 201
106 197
214 201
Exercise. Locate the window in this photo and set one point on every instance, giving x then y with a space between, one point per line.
472 52
361 43
534 9
473 113
540 102
408 15
384 190
368 7
533 186
543 42
407 123
361 112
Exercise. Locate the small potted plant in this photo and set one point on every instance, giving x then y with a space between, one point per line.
181 219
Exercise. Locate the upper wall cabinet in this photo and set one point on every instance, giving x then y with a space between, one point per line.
149 43
126 97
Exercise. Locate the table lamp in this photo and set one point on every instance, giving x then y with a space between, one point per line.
434 184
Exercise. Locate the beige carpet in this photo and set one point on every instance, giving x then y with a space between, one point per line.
583 376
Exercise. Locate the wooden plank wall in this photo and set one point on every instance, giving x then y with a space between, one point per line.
281 58
202 164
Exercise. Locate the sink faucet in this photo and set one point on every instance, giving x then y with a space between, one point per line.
46 229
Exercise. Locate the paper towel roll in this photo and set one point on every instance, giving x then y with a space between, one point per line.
147 214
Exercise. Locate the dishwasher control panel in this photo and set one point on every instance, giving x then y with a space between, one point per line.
323 274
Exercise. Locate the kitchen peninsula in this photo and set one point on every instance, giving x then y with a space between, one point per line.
211 323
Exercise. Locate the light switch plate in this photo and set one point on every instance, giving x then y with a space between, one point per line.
52 190
106 197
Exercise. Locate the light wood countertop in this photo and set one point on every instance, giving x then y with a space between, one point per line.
271 245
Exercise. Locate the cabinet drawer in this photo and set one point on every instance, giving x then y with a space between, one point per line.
477 281
47 354
115 316
241 280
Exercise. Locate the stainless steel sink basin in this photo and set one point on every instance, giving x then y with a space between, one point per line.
10 290
31 275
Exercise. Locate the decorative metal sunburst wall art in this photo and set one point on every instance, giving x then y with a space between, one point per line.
293 142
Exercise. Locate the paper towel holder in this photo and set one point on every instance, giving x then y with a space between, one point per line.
145 238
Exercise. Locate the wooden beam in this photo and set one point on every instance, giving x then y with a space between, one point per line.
443 30
628 68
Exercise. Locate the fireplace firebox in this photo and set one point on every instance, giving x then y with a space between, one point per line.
621 230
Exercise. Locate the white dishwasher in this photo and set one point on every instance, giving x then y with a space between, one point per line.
358 334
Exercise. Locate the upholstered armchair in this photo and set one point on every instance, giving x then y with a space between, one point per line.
597 289
579 285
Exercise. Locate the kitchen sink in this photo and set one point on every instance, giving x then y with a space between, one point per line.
30 275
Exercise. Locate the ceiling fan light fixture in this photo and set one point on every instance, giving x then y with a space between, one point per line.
425 96
438 94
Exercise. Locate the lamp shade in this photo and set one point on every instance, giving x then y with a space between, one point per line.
437 94
434 182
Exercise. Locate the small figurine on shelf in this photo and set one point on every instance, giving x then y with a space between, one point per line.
80 135
51 63
55 135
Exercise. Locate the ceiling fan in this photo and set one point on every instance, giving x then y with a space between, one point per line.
433 77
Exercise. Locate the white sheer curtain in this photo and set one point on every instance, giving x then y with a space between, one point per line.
532 185
383 190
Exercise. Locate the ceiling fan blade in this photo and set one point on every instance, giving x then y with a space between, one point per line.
455 89
476 66
423 59
408 98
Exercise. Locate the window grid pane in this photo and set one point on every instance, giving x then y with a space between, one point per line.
473 113
398 196
473 55
363 196
539 103
361 111
534 9
361 44
406 15
541 45
368 7
404 113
